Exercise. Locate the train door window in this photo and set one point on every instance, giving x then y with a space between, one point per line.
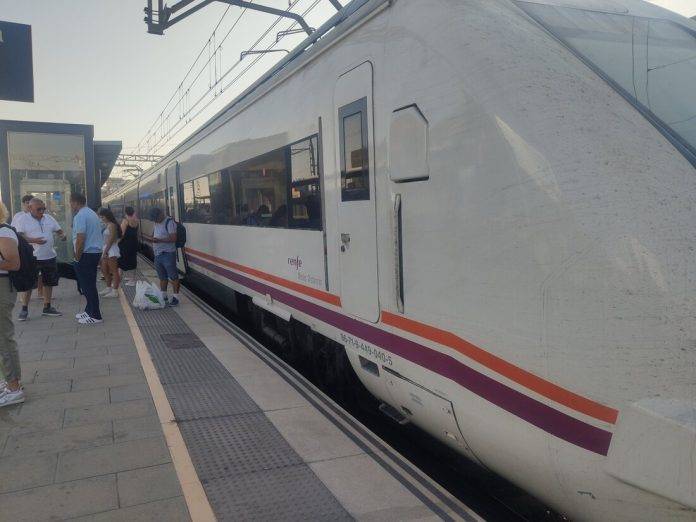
355 173
305 188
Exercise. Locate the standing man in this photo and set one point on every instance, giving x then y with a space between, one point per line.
19 216
38 229
88 243
17 220
164 248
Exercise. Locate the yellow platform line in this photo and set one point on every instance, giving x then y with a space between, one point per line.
196 499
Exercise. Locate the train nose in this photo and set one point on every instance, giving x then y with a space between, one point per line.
654 448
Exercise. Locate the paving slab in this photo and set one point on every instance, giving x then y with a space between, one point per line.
61 501
122 410
125 456
136 428
40 389
106 381
143 485
60 440
70 374
129 392
23 472
169 510
97 360
65 400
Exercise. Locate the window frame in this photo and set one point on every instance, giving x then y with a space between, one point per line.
357 107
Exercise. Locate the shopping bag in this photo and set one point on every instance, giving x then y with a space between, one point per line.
148 296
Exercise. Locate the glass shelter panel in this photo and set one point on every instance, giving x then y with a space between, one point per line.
50 167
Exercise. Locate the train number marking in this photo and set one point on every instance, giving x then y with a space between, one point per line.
367 349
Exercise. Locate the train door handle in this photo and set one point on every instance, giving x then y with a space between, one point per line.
345 240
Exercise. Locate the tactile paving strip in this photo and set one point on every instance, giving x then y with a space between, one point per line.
182 366
248 470
237 444
250 500
181 341
199 400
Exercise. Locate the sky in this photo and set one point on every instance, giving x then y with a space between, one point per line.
95 63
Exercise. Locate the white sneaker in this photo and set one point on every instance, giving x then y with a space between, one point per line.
81 315
89 320
11 397
113 293
105 291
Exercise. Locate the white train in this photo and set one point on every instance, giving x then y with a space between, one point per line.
492 205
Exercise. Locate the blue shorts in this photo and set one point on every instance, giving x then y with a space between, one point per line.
165 264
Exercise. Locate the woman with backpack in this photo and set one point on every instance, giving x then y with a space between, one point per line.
10 388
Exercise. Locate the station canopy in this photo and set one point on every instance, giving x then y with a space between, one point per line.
105 155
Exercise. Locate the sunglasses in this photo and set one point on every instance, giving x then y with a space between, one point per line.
41 209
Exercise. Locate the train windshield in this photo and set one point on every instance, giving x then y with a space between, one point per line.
650 61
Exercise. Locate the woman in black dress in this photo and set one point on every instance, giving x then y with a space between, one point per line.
128 245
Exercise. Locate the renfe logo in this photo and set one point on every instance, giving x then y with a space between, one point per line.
295 262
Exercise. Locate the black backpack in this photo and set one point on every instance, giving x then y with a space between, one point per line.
23 279
180 233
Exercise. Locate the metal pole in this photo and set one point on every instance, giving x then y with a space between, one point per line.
271 10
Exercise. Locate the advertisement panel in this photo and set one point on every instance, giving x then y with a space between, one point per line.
16 65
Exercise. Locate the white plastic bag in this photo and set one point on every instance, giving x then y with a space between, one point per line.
148 296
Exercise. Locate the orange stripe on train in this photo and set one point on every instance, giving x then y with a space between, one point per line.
504 368
292 285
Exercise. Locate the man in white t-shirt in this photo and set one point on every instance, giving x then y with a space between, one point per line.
38 228
17 221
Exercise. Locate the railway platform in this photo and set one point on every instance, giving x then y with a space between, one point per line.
176 414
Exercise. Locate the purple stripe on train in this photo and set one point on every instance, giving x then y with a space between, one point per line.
536 413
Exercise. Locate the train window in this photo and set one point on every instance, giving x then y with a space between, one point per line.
650 62
261 188
279 189
305 189
221 198
355 173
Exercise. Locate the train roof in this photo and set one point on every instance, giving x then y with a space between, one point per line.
333 29
343 21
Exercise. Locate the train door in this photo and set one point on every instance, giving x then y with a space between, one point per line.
171 196
357 216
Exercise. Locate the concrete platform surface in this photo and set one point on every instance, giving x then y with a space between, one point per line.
87 444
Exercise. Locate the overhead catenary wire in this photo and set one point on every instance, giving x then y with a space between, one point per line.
171 132
184 94
185 105
181 83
